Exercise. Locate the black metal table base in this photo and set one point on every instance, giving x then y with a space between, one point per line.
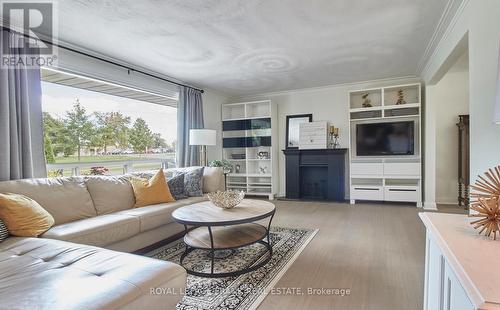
212 254
236 273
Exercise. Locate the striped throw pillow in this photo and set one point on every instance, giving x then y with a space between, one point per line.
4 233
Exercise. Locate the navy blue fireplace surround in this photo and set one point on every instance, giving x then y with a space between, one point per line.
316 174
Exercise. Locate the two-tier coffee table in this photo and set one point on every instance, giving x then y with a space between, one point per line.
213 229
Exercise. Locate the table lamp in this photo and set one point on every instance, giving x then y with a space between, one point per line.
203 138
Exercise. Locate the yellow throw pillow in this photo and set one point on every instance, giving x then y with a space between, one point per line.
151 192
23 216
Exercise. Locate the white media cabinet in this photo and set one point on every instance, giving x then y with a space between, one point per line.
386 178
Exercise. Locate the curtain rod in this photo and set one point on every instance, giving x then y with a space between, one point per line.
105 60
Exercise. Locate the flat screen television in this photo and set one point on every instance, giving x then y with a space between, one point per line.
385 139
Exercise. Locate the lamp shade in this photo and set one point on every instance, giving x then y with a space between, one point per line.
496 115
202 137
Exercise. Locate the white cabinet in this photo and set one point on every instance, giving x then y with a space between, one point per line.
250 144
396 177
361 169
459 271
443 290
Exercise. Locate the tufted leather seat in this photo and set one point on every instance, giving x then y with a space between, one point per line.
41 273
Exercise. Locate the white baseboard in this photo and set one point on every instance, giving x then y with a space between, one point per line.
447 201
430 206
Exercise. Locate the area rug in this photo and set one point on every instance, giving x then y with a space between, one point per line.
245 291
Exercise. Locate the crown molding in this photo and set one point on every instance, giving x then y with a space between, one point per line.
453 9
401 79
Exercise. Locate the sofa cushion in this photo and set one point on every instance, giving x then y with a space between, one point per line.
213 179
52 274
99 231
23 216
4 233
153 216
193 180
66 199
152 191
110 193
160 214
176 186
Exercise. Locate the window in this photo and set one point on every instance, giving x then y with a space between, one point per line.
89 132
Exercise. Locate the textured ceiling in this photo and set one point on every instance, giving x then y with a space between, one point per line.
251 46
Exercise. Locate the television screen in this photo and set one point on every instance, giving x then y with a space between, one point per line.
383 139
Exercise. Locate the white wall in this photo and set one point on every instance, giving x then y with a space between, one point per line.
325 103
479 24
451 96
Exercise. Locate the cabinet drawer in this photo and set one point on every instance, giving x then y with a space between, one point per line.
410 169
401 193
367 169
366 192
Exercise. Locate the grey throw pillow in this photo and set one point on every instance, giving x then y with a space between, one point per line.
193 181
4 233
176 186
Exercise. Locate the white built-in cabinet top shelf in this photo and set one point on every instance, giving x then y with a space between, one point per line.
246 110
385 98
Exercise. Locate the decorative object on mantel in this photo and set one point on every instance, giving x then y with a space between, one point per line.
367 103
401 97
292 129
334 137
486 201
226 199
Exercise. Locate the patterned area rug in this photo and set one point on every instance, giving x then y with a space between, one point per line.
243 292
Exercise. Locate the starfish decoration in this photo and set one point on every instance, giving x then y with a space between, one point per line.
489 214
486 187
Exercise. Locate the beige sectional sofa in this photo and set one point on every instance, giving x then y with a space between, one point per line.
71 265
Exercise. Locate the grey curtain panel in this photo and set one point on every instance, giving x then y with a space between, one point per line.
189 116
21 131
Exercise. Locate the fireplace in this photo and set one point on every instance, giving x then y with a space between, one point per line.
316 174
313 182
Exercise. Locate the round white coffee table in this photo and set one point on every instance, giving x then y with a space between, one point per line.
213 229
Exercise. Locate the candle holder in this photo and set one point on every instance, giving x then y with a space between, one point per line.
334 137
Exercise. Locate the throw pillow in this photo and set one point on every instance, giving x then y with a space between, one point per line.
193 181
150 192
176 186
23 216
4 233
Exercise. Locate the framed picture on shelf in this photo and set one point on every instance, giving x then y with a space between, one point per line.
292 129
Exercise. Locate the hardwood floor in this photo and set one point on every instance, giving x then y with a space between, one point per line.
375 250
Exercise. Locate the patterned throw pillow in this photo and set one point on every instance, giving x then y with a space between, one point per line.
4 233
193 181
176 186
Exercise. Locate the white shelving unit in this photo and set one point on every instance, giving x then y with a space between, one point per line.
250 129
386 178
